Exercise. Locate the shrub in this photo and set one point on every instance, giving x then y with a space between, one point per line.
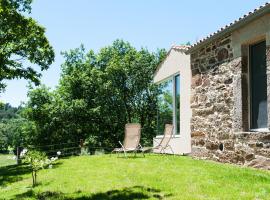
37 160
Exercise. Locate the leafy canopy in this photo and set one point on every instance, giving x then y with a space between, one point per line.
22 40
98 93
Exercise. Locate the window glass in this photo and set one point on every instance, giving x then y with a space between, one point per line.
165 105
258 84
177 103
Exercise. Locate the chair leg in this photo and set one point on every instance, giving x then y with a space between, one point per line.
143 154
162 151
118 154
115 152
171 149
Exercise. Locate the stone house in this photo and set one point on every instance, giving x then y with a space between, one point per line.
230 92
216 93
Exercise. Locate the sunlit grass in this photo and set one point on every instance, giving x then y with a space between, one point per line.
152 177
6 159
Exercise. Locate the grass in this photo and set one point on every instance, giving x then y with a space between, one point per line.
6 159
153 177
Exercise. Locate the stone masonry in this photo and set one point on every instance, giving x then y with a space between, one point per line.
219 128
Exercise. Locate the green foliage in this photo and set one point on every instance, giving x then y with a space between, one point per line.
165 105
8 112
20 5
17 132
37 161
21 39
49 113
2 105
97 95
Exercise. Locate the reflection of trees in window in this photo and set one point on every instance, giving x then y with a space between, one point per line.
165 105
169 104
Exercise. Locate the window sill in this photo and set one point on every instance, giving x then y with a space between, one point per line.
260 130
161 136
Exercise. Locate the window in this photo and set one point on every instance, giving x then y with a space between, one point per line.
165 105
177 103
169 104
258 86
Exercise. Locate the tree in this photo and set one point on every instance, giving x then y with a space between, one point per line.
36 161
97 95
38 110
16 132
22 40
116 86
8 112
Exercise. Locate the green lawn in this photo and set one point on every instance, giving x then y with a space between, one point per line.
153 177
6 159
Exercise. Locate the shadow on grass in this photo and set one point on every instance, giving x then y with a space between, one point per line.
14 173
131 193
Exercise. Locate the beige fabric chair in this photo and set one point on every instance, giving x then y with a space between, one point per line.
131 140
164 143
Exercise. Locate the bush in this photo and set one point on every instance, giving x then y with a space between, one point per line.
37 160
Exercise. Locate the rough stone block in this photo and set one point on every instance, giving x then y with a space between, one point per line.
196 80
198 134
260 162
229 145
206 82
249 156
263 152
266 138
212 145
225 41
222 55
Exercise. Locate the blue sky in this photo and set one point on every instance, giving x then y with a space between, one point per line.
144 23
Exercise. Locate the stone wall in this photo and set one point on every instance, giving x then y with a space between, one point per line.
220 109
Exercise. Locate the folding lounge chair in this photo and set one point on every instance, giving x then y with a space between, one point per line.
164 143
131 140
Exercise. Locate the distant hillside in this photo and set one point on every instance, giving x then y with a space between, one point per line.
8 112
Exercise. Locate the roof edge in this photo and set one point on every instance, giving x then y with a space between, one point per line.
232 27
181 48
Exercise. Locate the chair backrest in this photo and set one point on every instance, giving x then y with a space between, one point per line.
168 133
132 135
